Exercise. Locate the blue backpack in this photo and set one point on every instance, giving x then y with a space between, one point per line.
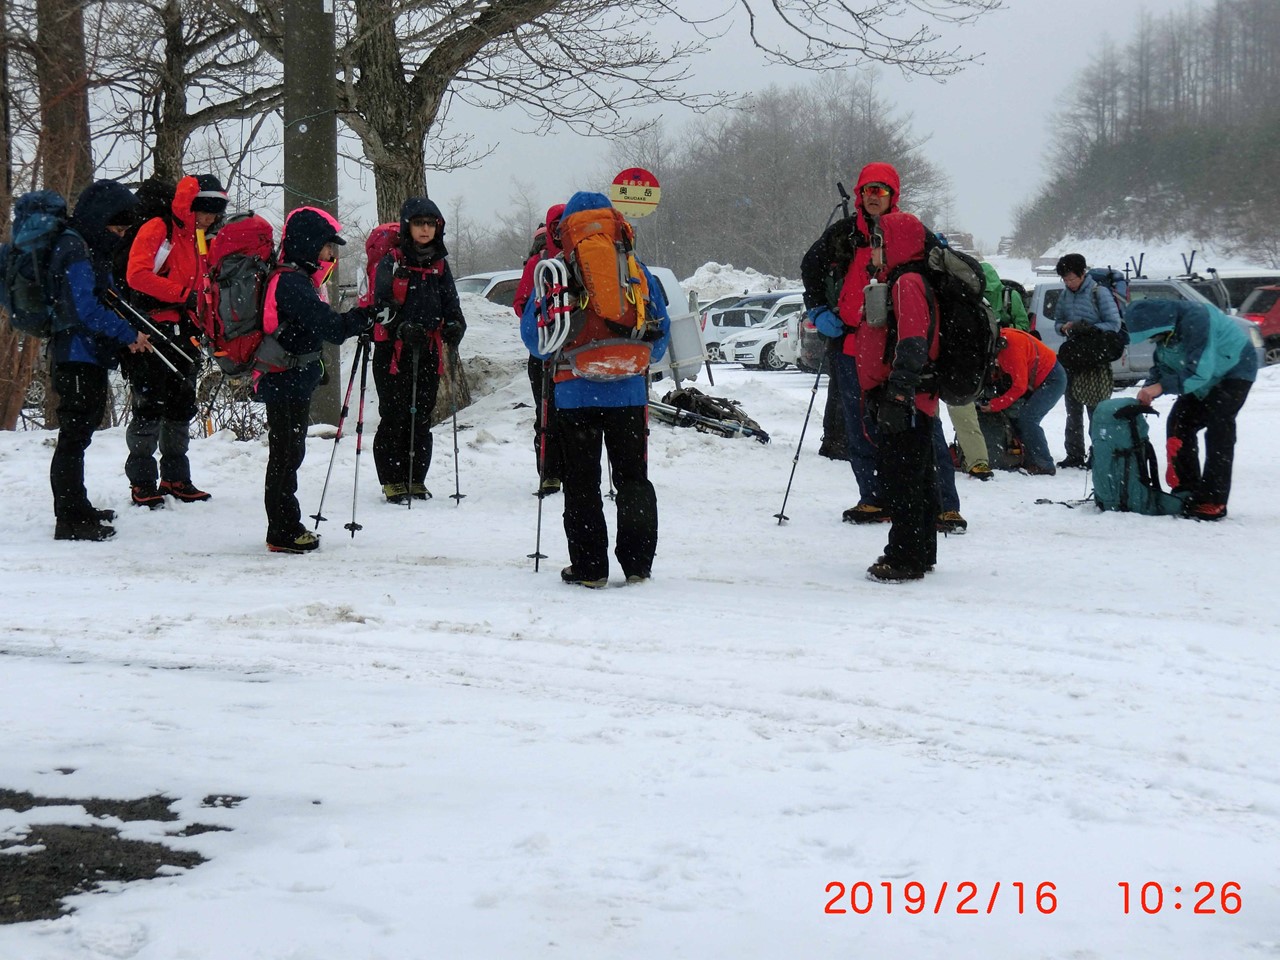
1125 474
1114 281
39 221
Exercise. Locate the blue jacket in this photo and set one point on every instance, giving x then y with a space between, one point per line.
305 321
1091 304
1198 347
628 392
80 267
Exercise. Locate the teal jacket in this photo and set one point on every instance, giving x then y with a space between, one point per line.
1011 314
1197 345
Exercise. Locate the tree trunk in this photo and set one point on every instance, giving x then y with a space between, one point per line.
173 124
64 97
402 176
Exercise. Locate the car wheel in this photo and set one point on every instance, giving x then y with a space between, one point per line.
769 359
1271 352
713 352
35 392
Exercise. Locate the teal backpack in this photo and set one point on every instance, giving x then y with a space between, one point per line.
1125 473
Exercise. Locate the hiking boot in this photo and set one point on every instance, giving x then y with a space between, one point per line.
637 578
980 471
83 530
928 567
396 492
569 576
1207 511
146 496
304 541
1076 463
103 516
1031 470
184 490
950 521
866 513
419 491
548 487
883 571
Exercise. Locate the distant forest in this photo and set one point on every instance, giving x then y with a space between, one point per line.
751 186
1178 132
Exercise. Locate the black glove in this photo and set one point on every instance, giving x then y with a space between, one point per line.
454 329
413 335
190 305
897 410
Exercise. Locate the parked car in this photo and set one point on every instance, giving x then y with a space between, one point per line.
1228 289
759 347
745 346
749 311
1134 365
1262 307
498 286
810 344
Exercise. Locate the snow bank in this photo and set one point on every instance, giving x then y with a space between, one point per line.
713 280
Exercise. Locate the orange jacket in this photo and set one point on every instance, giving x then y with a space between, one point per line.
177 277
1027 361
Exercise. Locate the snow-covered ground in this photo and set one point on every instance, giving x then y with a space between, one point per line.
445 755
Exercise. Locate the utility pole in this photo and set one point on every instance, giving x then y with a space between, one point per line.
311 144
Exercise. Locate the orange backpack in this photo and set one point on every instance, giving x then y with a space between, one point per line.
609 321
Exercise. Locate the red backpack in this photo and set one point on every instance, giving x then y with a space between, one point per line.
384 239
240 263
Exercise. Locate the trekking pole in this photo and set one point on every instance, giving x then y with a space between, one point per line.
537 554
361 345
413 417
813 395
355 485
457 494
127 311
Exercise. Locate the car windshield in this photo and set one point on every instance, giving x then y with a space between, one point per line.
1261 300
474 285
1240 287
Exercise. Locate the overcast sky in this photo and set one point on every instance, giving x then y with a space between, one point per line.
988 125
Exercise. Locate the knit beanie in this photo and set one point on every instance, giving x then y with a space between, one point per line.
211 198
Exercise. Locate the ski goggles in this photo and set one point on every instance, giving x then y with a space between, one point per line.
876 190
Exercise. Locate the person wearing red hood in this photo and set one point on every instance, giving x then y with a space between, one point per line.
895 338
834 271
297 320
163 274
546 442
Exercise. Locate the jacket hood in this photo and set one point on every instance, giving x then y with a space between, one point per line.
420 207
103 202
879 172
993 283
306 230
186 193
1151 318
903 239
554 213
585 200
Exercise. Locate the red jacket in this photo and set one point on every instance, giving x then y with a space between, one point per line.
1027 361
176 278
855 278
915 324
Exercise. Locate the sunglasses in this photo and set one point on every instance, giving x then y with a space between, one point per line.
876 190
424 222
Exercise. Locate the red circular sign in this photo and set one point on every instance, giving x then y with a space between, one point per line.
635 192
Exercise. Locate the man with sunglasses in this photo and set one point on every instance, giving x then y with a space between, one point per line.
835 271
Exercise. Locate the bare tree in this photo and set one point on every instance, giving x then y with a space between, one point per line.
401 65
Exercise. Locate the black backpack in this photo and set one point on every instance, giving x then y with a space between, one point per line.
968 329
155 199
39 222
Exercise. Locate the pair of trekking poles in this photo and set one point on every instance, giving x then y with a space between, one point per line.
364 353
139 320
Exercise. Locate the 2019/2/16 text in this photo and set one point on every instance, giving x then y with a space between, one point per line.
965 898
